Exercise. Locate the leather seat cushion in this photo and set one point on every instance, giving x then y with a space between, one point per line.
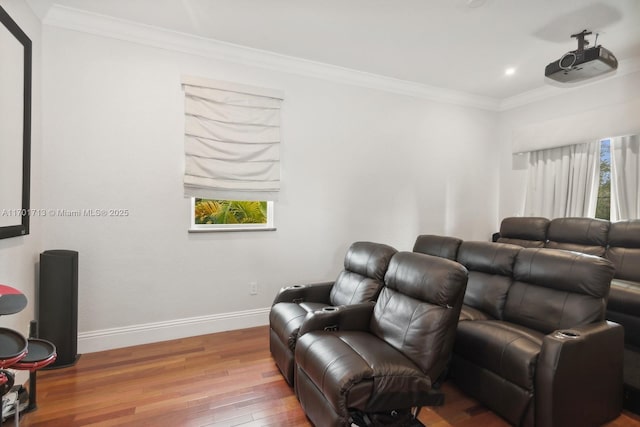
285 319
470 313
576 247
624 308
624 297
354 369
506 349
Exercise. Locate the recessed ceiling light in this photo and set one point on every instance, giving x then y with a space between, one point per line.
509 71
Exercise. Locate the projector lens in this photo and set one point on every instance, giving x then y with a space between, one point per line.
567 61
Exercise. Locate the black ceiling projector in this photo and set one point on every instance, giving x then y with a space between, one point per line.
581 64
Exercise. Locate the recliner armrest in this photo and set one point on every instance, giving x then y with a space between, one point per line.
579 376
314 292
344 317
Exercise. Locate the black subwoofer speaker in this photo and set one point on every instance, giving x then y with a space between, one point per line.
58 304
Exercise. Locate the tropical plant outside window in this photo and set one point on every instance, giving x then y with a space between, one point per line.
216 215
603 207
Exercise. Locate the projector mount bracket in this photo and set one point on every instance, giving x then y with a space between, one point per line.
569 59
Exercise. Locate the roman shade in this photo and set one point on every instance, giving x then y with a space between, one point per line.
231 141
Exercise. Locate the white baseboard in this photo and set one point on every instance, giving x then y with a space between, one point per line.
107 339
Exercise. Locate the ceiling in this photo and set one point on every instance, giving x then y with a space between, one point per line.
462 45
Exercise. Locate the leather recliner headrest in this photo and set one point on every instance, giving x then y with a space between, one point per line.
427 278
442 246
488 257
368 259
564 270
625 234
526 228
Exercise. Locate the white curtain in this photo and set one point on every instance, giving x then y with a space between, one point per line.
232 140
563 181
625 177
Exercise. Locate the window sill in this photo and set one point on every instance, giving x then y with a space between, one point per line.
224 230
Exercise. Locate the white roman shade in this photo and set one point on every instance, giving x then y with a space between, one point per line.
231 141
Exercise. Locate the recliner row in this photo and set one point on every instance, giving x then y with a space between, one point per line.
531 344
617 241
365 265
370 363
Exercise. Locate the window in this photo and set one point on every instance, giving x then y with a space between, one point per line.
230 215
232 154
603 207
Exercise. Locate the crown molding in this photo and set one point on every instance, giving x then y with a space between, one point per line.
106 26
625 67
134 32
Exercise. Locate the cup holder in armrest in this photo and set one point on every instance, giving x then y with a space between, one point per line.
330 309
567 334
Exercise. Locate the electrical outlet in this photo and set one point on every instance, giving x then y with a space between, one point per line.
253 288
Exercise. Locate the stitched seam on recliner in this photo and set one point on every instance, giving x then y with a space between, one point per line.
624 252
493 259
531 263
387 303
356 352
526 335
352 383
355 291
586 238
573 263
366 268
294 318
504 349
328 365
564 304
406 331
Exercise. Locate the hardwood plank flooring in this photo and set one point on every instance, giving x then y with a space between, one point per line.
224 379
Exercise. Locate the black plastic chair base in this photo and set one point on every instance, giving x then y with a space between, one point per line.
391 419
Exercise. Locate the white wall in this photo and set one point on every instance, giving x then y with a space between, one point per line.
19 255
513 171
357 164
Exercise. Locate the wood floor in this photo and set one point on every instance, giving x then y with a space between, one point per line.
225 379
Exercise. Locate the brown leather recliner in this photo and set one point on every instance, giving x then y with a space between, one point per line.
372 361
528 232
365 265
490 268
441 246
624 299
585 235
547 358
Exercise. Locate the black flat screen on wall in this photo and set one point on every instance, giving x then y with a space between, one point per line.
15 128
